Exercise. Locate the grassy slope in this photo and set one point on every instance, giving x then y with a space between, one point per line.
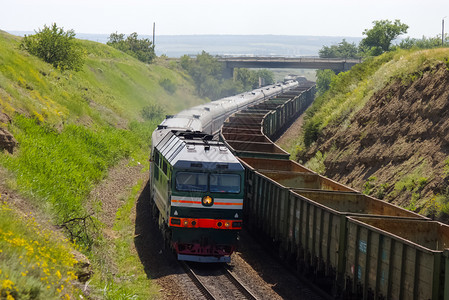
351 91
71 127
112 80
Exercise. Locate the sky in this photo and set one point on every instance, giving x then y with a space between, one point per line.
185 17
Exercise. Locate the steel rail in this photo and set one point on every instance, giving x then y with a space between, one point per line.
197 281
229 275
238 284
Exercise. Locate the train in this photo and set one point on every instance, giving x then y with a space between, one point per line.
352 245
197 184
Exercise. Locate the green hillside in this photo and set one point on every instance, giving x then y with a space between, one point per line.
71 128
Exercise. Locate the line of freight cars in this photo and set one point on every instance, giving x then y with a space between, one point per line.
354 245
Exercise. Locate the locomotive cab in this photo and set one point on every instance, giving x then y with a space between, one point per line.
198 189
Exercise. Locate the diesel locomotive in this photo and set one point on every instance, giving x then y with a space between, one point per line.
197 184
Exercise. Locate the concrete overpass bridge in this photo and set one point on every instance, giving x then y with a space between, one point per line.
336 64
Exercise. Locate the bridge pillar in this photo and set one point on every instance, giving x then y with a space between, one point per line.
228 72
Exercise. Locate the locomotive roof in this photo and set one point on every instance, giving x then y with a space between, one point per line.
184 149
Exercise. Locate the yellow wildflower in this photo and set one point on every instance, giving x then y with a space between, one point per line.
7 284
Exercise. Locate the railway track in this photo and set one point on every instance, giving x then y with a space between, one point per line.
217 282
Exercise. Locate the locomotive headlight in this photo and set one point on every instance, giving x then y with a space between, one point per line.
227 224
208 201
185 223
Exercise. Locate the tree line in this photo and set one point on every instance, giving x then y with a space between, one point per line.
378 39
58 47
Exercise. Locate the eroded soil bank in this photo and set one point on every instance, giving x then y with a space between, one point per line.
396 147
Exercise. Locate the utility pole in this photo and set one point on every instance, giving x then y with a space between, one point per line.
154 30
442 32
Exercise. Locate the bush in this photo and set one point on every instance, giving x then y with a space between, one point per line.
312 130
55 46
323 80
142 49
152 112
168 85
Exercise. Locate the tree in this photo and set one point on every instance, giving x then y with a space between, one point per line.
266 75
246 77
423 43
142 49
323 80
378 39
207 73
342 50
55 46
250 78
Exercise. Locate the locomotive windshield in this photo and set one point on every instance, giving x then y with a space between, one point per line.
203 182
189 181
225 183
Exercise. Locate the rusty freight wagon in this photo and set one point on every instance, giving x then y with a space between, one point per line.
361 247
397 259
249 132
304 216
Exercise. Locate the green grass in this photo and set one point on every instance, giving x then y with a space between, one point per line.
34 262
129 280
316 163
413 182
111 88
60 168
71 128
348 92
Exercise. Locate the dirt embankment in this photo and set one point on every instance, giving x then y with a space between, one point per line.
395 148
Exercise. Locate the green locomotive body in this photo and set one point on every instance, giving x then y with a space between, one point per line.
197 187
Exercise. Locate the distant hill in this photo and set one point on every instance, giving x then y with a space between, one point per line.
277 45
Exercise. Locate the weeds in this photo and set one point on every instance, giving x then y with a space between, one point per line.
317 163
368 186
414 183
168 85
34 264
371 188
130 280
347 93
60 169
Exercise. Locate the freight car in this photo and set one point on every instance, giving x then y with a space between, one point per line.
354 245
196 183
